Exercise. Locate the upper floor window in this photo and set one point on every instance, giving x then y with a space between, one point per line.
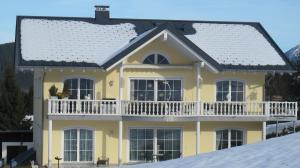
155 90
156 59
230 90
80 88
228 138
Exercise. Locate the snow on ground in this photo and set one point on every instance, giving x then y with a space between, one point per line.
272 127
281 152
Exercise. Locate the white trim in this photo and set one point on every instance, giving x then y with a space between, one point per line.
156 53
230 79
198 137
155 128
173 36
120 142
135 50
49 143
78 129
229 135
155 79
6 144
157 66
264 130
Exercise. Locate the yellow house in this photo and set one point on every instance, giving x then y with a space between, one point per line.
146 90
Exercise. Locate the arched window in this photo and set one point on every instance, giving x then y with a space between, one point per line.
156 59
80 88
230 90
228 138
78 145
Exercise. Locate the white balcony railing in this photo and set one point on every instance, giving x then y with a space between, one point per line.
170 108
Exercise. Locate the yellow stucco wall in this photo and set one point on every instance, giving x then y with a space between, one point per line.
106 136
107 86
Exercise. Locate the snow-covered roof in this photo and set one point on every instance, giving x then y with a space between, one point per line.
74 40
281 152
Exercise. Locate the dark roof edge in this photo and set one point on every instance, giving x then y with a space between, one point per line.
262 30
265 68
132 19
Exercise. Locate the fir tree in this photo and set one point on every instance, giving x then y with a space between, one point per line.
12 106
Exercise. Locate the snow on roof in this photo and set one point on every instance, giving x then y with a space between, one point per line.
235 44
281 152
81 41
78 41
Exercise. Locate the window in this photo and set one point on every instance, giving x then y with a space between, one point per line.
228 138
80 88
156 90
78 145
144 143
230 90
156 59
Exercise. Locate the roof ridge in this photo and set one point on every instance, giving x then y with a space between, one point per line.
139 19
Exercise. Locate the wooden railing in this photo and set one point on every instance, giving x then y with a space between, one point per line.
170 108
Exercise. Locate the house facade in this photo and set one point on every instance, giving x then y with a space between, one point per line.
146 90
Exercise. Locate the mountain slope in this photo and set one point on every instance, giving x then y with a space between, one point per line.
294 54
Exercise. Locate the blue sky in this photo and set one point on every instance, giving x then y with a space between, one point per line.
279 17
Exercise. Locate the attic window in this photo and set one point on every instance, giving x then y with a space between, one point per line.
156 59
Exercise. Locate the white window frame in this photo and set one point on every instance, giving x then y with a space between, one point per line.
229 91
78 85
154 139
156 58
155 84
78 144
244 138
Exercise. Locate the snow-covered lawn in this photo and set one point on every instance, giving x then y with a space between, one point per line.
278 152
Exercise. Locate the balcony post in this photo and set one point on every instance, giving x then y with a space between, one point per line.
198 82
120 89
264 130
120 142
198 137
49 143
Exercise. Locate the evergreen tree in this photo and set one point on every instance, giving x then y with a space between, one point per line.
12 106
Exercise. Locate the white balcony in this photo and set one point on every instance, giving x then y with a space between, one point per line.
98 108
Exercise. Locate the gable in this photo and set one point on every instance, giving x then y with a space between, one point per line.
158 46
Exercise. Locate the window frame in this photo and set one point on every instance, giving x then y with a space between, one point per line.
244 138
78 144
154 140
78 85
229 91
155 85
156 58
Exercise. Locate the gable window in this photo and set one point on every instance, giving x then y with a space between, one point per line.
230 90
156 59
80 88
228 138
78 145
155 90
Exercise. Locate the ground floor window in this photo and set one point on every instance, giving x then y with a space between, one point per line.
161 143
78 145
228 138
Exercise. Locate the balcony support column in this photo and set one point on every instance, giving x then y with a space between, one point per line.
198 137
264 130
121 76
198 65
120 142
49 143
